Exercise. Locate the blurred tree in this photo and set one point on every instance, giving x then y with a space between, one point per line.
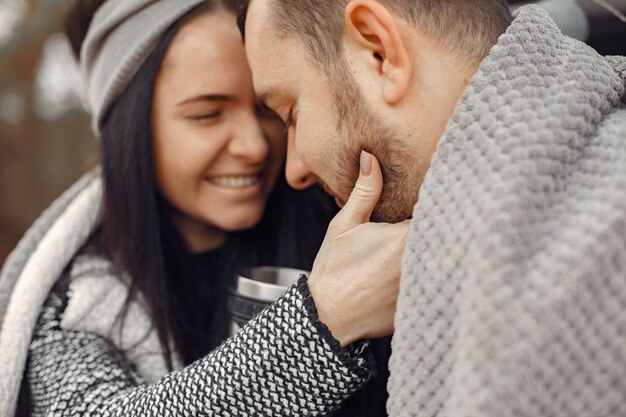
41 151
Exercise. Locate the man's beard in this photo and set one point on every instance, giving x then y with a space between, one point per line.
358 128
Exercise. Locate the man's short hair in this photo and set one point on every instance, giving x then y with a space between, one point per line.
467 28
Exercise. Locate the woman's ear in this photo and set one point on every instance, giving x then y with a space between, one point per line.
373 35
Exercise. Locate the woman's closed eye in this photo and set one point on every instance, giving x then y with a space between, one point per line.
205 116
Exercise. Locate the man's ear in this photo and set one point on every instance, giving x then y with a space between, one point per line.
373 32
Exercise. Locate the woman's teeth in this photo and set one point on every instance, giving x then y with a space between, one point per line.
235 182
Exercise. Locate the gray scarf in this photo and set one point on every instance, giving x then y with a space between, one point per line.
513 295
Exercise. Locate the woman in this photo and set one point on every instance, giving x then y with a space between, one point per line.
136 323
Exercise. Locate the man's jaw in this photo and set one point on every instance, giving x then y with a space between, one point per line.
339 202
331 193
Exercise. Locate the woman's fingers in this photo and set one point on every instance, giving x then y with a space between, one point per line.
356 274
364 196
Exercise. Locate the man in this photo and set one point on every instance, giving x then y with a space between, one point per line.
512 295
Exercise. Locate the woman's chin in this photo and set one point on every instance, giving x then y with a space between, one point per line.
239 222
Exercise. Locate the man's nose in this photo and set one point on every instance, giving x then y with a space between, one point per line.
298 174
249 141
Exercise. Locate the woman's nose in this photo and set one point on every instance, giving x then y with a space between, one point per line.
249 142
298 174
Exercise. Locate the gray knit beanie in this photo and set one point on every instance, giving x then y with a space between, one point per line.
120 38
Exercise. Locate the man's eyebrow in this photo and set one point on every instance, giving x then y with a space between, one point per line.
242 11
267 93
208 97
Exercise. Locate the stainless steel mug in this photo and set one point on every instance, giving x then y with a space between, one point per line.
255 289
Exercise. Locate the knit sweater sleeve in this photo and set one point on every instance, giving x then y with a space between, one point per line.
283 363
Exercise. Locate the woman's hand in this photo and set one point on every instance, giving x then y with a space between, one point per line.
356 274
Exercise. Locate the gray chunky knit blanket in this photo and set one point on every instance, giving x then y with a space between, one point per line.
513 295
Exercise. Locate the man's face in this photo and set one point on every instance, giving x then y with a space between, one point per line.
329 122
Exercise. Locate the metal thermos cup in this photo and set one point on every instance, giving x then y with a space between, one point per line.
255 289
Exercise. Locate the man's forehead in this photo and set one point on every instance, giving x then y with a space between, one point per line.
250 11
242 14
262 53
256 30
268 75
271 59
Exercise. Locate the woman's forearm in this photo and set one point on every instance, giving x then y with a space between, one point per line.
284 362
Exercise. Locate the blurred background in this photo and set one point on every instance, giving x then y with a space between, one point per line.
45 138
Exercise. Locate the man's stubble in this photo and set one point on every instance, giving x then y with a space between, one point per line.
359 128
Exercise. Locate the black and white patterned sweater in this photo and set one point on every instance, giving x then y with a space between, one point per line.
284 362
58 345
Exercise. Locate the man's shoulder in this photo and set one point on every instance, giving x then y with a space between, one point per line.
618 63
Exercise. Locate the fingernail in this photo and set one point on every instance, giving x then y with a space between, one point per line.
366 163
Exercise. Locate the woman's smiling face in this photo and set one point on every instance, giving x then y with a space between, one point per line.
217 156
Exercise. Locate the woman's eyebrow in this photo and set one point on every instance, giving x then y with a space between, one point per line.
208 97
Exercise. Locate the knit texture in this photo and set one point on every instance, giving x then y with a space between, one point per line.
16 261
121 36
281 364
98 293
33 268
80 363
513 295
